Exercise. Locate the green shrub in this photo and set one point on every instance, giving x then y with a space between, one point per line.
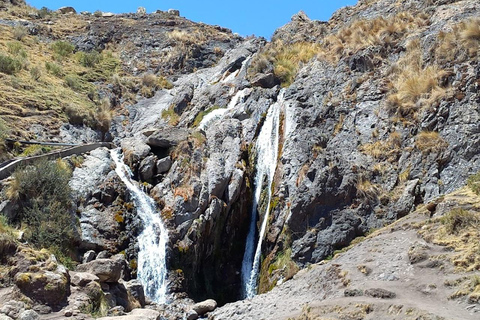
73 81
44 12
35 73
9 65
4 130
15 48
62 49
44 194
88 59
473 183
171 116
20 32
54 69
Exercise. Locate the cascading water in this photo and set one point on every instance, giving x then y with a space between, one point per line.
152 268
267 152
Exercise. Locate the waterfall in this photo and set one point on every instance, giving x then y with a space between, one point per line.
152 242
267 152
218 113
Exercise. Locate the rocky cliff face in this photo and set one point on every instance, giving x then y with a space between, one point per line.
378 115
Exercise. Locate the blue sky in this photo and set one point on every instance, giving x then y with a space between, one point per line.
260 17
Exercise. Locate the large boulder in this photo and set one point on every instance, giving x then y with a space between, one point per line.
28 315
135 150
205 306
81 279
65 10
166 138
147 168
44 286
107 270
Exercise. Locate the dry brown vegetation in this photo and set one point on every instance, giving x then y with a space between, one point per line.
430 141
388 149
414 86
460 44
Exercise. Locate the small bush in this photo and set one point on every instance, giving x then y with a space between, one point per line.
62 49
35 73
43 191
473 183
459 219
77 115
103 116
20 32
54 69
9 65
15 48
35 150
74 82
88 59
44 12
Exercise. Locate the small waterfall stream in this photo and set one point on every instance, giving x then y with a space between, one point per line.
267 153
152 269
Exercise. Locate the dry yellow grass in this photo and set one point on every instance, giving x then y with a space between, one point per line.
414 85
462 43
388 149
430 141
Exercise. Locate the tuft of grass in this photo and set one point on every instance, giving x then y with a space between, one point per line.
20 32
388 149
88 59
35 150
415 86
15 48
171 116
430 141
459 44
54 69
473 183
459 219
367 190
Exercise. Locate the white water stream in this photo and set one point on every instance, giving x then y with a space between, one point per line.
267 153
151 264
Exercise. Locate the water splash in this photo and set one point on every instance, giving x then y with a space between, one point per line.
218 113
267 152
152 267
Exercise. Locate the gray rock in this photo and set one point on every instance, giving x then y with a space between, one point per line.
164 164
166 138
264 80
81 279
88 256
380 293
68 313
205 306
5 317
141 11
9 209
135 288
191 315
137 314
147 168
174 12
99 228
107 270
65 10
135 150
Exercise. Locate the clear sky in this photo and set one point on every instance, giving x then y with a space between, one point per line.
259 17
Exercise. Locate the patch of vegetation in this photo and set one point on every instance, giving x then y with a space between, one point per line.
62 49
202 114
171 116
430 141
35 150
459 44
54 69
9 65
459 219
388 149
44 194
88 59
473 182
415 85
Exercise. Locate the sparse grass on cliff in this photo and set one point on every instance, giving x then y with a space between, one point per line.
430 141
460 44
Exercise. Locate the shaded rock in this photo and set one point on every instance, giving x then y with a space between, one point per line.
164 164
191 315
5 317
99 229
88 256
166 138
418 252
104 254
147 168
405 204
380 293
107 270
65 10
9 209
205 306
12 309
28 315
135 289
353 293
68 313
81 279
264 80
